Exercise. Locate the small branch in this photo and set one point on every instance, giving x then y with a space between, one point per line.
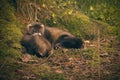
98 49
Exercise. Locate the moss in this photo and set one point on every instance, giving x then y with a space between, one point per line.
7 11
10 33
52 76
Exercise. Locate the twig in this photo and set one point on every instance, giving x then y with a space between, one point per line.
98 49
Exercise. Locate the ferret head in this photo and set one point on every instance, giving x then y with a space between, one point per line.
35 28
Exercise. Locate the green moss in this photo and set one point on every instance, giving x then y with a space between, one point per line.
10 33
52 76
7 11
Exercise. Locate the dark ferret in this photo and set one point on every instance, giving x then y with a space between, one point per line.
57 37
36 44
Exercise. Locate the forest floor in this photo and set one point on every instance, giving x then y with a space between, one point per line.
66 64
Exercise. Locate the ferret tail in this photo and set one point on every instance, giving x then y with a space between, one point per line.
71 42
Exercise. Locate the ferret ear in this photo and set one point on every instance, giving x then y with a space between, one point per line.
29 28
